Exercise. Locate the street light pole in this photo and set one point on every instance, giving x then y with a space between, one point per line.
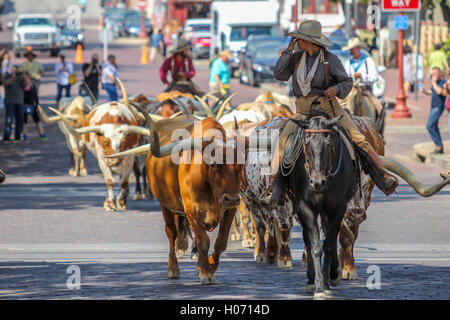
400 110
348 24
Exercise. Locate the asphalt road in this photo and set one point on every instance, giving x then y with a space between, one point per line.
50 221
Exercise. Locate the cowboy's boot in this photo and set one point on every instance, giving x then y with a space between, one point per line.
389 182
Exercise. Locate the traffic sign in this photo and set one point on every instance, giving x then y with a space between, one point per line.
142 4
400 5
401 22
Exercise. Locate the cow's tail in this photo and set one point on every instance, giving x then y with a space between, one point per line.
184 226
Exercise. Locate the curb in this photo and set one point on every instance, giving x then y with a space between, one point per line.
422 153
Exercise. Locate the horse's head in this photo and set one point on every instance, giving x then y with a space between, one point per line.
318 148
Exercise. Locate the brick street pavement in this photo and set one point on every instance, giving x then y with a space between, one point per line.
50 221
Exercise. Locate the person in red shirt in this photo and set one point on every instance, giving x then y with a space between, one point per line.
181 70
446 174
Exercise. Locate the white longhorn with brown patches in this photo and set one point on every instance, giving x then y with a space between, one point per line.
76 110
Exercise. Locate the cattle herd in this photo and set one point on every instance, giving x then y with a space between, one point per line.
225 187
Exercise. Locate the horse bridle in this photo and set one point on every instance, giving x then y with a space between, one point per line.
307 168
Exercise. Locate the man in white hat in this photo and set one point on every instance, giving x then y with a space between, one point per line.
318 75
361 66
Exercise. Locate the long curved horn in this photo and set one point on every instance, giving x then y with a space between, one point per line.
182 105
138 151
131 106
411 178
206 107
138 130
222 106
46 118
78 131
159 151
54 118
210 95
91 95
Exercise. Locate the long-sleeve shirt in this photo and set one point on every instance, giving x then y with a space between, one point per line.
174 66
364 65
338 77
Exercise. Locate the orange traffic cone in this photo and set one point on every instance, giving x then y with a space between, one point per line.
144 57
79 56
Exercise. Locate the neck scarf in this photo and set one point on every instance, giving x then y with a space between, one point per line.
303 79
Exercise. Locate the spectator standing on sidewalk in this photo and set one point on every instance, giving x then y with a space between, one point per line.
109 74
438 95
5 65
14 96
92 71
31 101
438 59
63 70
157 44
33 68
219 79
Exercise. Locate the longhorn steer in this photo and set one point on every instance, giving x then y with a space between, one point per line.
76 111
108 129
277 221
206 192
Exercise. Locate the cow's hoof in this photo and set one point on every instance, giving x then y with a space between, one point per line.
137 196
328 293
208 280
260 258
248 243
147 195
320 295
83 172
72 172
335 282
349 274
121 206
310 288
109 206
194 256
180 253
173 273
284 264
235 237
270 259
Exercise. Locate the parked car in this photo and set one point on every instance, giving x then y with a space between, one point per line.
247 54
198 32
260 65
132 23
71 38
37 31
115 18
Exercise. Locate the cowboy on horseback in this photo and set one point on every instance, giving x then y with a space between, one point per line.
319 77
361 66
181 68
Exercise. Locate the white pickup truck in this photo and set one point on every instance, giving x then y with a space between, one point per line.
36 31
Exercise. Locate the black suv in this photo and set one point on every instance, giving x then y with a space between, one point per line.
259 57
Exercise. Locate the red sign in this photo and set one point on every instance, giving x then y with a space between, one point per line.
142 4
400 5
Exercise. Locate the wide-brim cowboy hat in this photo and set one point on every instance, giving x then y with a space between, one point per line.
181 46
310 30
353 43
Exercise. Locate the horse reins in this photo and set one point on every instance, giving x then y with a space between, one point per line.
329 175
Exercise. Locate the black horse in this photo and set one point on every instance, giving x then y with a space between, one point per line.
321 183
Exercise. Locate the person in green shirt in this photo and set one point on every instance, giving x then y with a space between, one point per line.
219 79
438 59
33 68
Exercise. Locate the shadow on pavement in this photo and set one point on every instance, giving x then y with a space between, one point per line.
237 280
